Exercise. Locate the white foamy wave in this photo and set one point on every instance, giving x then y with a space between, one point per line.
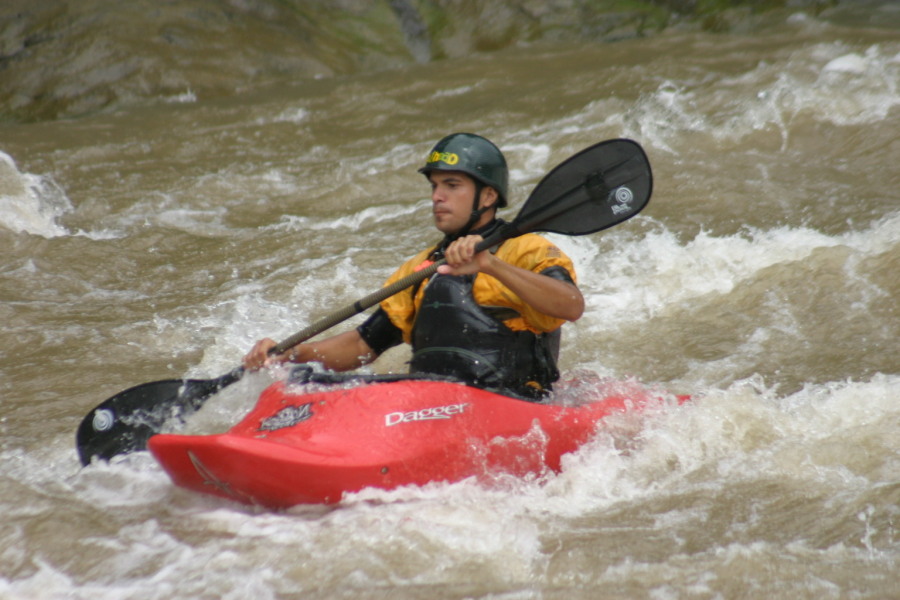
30 203
744 435
247 317
400 156
643 276
206 223
851 88
531 159
830 83
849 63
45 583
743 432
457 91
186 97
294 115
352 222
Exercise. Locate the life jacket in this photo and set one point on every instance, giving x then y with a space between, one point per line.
453 335
476 329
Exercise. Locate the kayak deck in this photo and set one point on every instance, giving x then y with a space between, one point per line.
309 444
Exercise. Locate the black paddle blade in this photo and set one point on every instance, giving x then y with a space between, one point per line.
597 188
126 421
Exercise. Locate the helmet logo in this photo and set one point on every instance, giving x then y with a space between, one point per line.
451 158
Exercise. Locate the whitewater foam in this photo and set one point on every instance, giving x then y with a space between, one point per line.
641 276
30 203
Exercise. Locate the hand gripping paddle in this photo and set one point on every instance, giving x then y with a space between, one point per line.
596 188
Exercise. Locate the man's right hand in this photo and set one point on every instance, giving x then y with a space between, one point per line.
341 352
259 356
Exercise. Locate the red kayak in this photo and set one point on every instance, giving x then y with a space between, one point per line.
311 443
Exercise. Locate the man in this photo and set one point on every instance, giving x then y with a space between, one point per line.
490 319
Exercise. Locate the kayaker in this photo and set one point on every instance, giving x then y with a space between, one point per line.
491 319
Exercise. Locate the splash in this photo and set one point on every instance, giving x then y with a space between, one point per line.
828 83
30 203
642 277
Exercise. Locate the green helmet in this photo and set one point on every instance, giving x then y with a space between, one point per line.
473 155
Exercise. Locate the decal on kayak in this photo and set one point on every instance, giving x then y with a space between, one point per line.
287 417
426 414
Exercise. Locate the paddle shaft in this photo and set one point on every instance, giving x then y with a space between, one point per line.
384 293
357 307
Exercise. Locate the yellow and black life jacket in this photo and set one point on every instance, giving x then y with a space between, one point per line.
478 330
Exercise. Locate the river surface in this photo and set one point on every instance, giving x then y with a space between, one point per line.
762 278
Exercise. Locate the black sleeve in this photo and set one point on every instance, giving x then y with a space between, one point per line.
379 333
558 273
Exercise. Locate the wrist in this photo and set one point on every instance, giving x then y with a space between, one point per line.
293 355
491 265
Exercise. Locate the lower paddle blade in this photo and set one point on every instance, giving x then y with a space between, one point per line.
126 421
597 188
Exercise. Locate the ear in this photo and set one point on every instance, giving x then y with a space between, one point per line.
489 197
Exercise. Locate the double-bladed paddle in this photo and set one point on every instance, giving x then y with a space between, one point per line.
597 188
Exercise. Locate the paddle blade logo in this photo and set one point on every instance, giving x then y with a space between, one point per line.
620 200
287 417
103 419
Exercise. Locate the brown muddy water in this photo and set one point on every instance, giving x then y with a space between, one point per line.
160 241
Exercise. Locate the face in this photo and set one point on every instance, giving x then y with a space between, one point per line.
451 200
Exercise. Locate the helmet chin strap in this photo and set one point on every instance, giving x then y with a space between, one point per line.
476 212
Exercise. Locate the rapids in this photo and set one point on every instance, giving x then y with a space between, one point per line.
160 240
